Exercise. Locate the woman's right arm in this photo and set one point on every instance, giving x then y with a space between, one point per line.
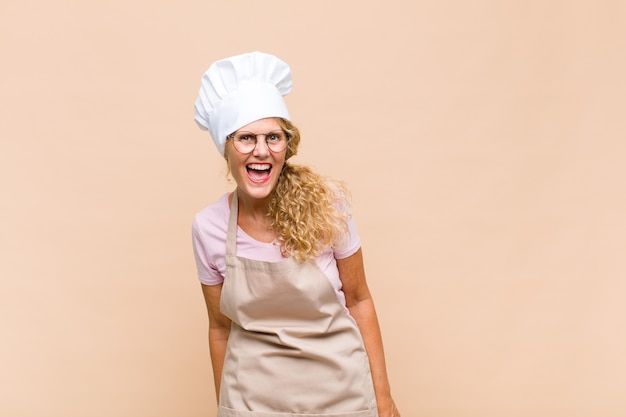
219 329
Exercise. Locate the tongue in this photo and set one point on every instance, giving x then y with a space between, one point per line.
258 175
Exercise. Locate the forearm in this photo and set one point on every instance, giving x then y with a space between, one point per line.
218 338
219 330
364 314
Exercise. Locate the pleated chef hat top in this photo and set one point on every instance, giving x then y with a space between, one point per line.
238 90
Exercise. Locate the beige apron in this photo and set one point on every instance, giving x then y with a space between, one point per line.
293 349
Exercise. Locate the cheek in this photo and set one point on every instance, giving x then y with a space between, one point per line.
231 165
231 159
280 163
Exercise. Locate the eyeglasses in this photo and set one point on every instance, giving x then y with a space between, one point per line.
246 142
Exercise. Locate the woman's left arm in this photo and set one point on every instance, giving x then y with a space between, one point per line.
361 306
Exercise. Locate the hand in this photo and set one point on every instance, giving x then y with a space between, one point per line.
388 410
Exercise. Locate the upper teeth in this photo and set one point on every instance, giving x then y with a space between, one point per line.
259 167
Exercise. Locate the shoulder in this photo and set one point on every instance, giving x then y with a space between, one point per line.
213 218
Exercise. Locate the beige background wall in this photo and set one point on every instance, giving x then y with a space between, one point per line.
482 141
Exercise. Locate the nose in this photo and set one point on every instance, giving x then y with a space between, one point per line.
261 148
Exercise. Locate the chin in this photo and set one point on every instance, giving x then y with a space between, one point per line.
259 192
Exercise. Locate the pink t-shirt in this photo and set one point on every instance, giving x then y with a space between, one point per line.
210 227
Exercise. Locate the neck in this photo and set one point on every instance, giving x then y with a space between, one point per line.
252 218
252 208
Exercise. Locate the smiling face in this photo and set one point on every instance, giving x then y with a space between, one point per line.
256 173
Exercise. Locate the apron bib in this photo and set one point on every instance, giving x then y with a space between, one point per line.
293 349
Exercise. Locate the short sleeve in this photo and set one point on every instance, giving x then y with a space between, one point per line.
207 273
351 244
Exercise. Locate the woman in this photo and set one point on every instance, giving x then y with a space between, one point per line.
292 325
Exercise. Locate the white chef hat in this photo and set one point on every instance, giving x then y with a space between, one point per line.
238 90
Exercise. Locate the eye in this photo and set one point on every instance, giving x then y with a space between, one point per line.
245 137
274 137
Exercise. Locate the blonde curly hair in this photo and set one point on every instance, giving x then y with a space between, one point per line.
307 211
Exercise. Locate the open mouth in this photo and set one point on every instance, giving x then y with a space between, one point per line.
259 173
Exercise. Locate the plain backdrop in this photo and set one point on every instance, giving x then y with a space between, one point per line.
482 142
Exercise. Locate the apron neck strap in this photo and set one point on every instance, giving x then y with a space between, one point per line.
231 237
